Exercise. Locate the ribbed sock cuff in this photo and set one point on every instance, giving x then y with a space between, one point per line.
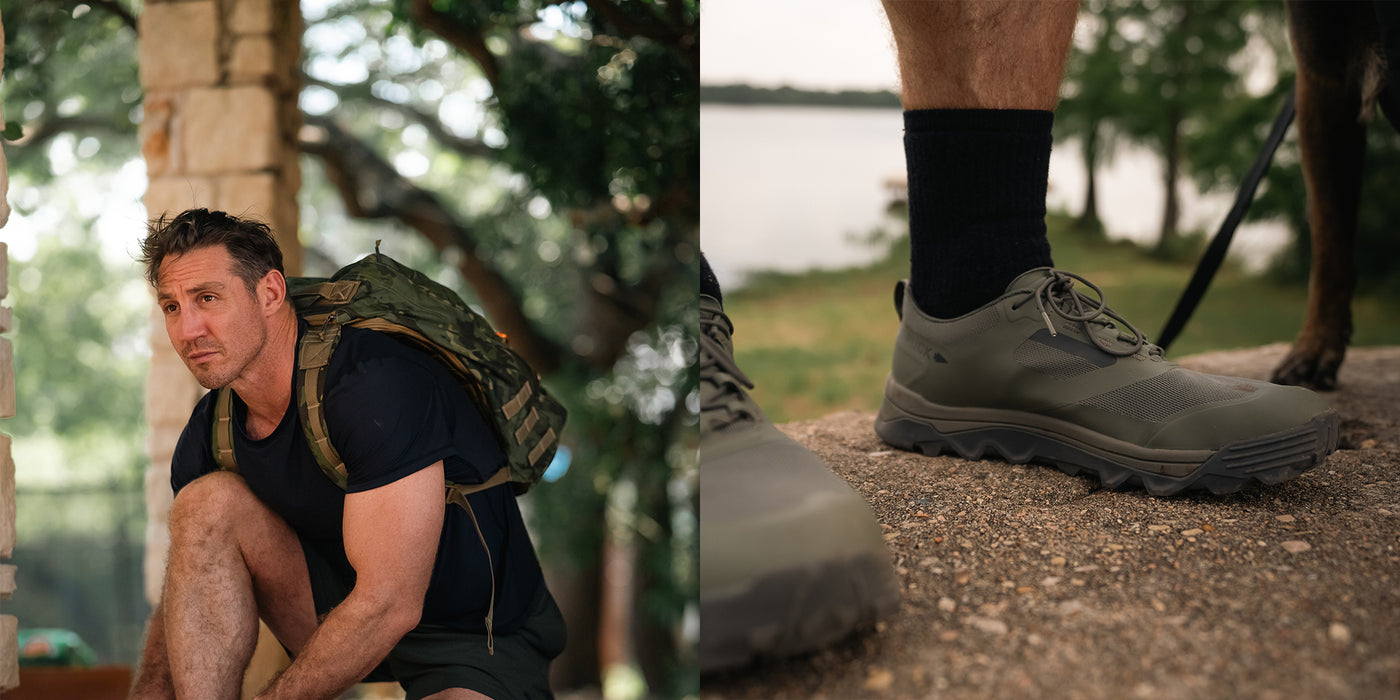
977 183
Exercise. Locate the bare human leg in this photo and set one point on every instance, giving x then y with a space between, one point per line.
981 54
232 560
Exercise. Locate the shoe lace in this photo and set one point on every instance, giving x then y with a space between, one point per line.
1058 290
728 403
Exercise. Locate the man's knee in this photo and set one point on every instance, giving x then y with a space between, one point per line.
215 497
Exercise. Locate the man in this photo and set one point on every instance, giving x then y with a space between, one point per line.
381 581
997 354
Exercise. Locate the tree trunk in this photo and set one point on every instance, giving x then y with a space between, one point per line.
1171 210
1089 214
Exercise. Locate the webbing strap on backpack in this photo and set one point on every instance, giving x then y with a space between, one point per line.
313 354
458 495
222 434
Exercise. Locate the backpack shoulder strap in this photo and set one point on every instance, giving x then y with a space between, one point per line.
313 354
221 436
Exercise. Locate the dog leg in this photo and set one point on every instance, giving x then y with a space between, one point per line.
1332 47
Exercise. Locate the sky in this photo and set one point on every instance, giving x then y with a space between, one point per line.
826 44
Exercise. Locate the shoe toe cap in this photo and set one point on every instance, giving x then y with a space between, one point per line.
774 505
1269 409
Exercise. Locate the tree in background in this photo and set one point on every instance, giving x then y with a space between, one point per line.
1093 99
546 155
1172 76
1157 74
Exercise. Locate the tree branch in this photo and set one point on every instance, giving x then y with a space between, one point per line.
49 128
372 188
468 39
472 148
677 33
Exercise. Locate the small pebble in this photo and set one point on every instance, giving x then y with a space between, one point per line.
1192 532
947 604
1284 518
1295 546
988 625
1339 632
880 680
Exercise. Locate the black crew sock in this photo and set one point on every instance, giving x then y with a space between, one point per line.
977 181
709 284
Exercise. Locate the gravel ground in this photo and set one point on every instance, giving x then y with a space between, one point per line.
1021 581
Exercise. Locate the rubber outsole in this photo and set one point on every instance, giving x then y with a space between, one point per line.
1269 459
794 611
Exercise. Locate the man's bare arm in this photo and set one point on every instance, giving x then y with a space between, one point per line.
153 680
391 538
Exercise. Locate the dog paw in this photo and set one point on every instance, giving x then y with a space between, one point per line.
1317 371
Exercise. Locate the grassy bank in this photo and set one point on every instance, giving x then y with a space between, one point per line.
820 342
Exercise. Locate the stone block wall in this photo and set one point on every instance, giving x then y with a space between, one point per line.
219 132
221 120
9 626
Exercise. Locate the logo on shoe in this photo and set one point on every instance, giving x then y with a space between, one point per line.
929 352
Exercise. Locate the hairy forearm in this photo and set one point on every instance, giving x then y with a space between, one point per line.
352 640
153 675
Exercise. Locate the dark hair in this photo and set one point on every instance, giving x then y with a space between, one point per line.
249 242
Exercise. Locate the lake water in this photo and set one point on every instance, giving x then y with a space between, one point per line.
796 188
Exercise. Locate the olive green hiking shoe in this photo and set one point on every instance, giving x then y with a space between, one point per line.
791 559
1047 374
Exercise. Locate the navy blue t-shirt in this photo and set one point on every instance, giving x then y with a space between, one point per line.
391 410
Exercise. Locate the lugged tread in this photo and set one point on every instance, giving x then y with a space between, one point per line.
795 611
1267 460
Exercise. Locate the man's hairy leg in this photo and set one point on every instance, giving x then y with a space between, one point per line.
981 54
232 560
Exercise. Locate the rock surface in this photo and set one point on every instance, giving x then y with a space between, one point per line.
1021 581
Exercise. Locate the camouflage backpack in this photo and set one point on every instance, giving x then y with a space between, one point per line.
379 294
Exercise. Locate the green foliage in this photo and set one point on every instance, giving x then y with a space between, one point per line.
78 339
1159 74
69 69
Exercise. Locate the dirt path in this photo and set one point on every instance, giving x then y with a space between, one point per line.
1020 581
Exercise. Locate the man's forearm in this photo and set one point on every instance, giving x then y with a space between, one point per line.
153 680
352 640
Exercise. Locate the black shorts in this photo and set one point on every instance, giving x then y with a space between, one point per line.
433 659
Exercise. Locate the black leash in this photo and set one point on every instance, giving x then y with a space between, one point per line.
1215 254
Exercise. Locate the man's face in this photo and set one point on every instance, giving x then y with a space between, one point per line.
214 323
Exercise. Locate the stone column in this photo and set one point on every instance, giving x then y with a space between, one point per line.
219 132
9 626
